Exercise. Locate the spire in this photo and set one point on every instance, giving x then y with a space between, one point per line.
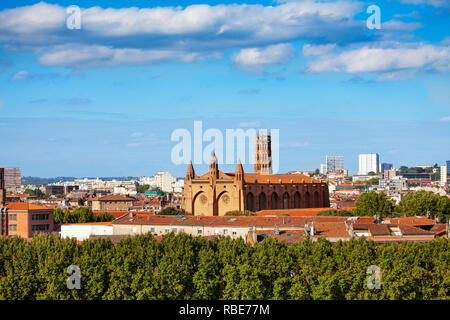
213 167
190 173
239 170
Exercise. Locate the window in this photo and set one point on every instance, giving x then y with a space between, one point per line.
40 216
12 217
40 227
225 231
174 230
181 229
152 230
199 231
12 227
234 232
167 230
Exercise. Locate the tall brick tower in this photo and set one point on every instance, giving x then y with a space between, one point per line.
263 153
3 212
2 187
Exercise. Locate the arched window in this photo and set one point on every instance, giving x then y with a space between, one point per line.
297 200
250 202
307 200
262 201
274 201
316 200
286 199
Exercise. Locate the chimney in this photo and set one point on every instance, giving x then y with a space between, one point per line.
312 232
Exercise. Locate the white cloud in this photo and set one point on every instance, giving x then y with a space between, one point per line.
396 25
445 119
316 50
383 59
257 59
136 134
401 75
435 3
251 124
111 37
134 144
78 56
19 76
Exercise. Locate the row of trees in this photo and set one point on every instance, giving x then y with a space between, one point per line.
80 215
419 203
184 267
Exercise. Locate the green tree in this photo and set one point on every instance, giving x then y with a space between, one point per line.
337 213
373 203
422 202
171 211
240 213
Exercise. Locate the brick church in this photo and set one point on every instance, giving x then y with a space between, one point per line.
215 193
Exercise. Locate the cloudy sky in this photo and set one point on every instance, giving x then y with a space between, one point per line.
103 100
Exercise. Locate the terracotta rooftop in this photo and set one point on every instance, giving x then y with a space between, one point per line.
235 221
289 236
298 212
106 223
25 206
115 198
275 178
412 221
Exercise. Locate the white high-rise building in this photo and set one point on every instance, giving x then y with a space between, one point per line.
323 168
164 181
369 162
444 175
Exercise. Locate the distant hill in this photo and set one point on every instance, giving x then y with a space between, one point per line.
39 180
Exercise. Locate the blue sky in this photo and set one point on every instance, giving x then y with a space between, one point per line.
104 100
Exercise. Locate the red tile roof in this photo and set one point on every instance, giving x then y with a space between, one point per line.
25 206
412 221
303 212
115 198
233 221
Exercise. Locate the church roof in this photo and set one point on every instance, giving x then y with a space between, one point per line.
275 178
265 178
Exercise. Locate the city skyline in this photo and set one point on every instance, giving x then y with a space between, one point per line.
90 109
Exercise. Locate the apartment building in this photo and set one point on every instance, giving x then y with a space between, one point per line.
26 219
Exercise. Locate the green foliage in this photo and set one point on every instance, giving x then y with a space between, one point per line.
80 215
38 193
371 181
240 213
373 203
337 213
185 267
171 211
421 202
142 188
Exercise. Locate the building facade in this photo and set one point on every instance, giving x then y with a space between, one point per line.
334 163
369 162
112 203
215 193
26 220
12 178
